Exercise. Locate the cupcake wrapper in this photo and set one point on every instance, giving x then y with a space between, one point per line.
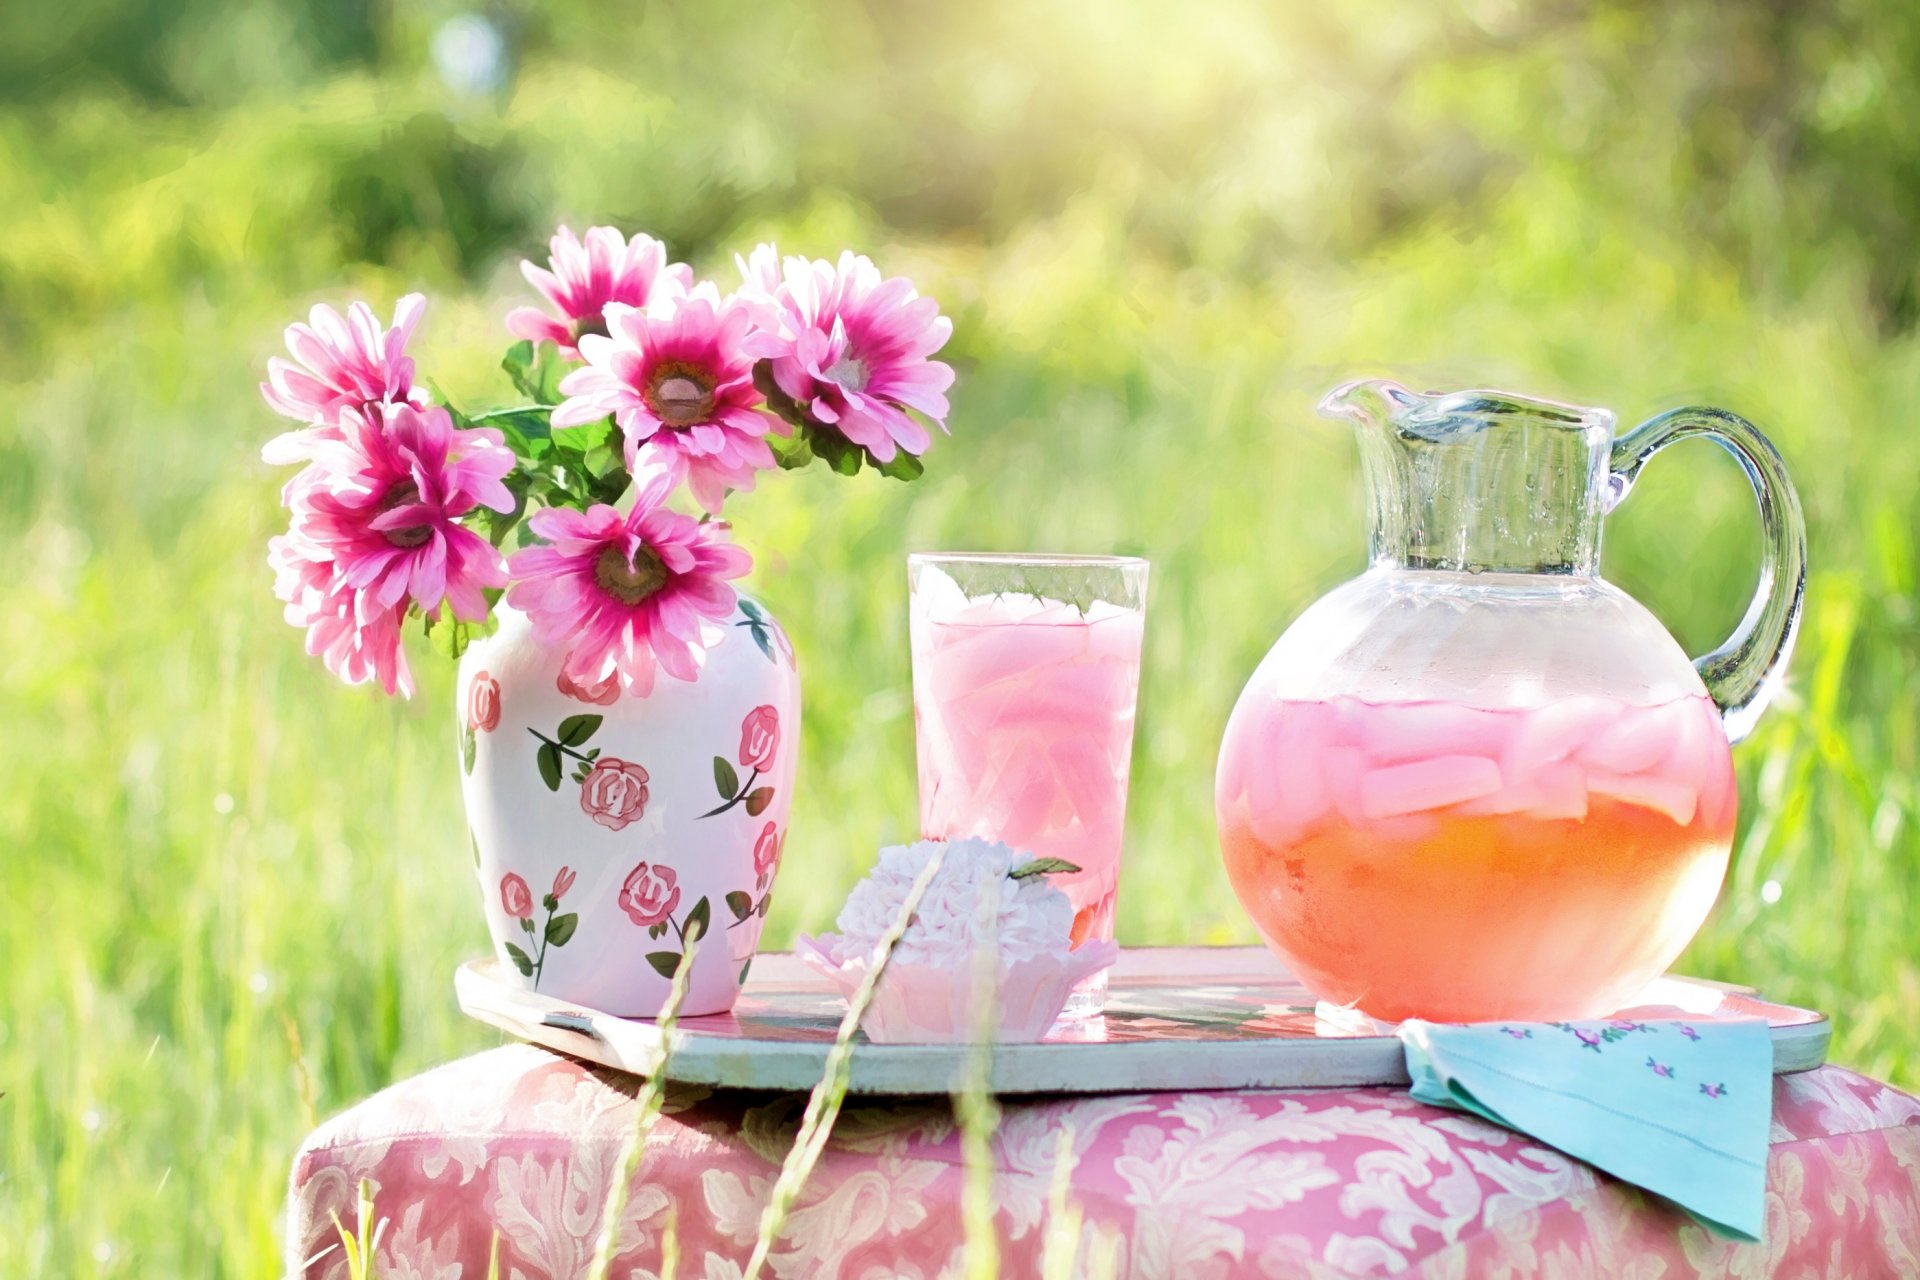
923 1003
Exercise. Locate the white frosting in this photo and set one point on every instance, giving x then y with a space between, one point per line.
1035 918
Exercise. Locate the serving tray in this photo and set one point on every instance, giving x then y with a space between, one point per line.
1176 1018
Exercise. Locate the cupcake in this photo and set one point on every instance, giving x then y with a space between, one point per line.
984 895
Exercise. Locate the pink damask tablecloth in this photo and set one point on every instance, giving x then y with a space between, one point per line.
1315 1184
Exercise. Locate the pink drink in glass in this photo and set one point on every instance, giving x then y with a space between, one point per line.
1024 709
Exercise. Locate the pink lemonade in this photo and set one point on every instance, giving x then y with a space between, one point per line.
1024 709
1434 860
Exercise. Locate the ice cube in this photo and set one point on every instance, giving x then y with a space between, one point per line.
1553 732
1563 793
1397 733
1088 779
1432 783
1675 799
1285 789
1698 743
1635 741
1343 769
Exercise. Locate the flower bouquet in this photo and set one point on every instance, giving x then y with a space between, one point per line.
628 719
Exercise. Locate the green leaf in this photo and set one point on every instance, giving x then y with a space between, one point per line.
521 960
664 962
560 928
448 635
575 730
500 523
550 369
548 901
792 453
1041 867
838 452
518 362
765 641
903 466
550 771
536 371
743 970
751 609
765 902
581 770
526 430
757 801
468 746
777 400
702 915
526 925
725 778
589 436
741 904
655 930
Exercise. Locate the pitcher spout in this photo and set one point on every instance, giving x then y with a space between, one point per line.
1479 480
1369 400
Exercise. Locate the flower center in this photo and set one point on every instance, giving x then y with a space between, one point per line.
680 394
406 537
850 372
629 583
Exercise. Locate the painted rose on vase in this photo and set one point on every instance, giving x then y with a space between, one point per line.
626 717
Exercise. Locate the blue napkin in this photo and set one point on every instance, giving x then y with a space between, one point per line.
1682 1109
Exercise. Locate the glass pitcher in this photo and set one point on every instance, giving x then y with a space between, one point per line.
1478 781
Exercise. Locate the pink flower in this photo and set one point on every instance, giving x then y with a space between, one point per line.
624 593
483 704
614 793
849 348
759 737
586 277
516 897
562 881
357 641
649 895
766 850
345 364
603 694
678 382
383 503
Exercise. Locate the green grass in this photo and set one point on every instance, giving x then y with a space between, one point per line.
234 892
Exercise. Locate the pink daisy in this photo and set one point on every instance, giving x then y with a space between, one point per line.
626 593
850 348
586 277
354 647
383 503
345 365
676 378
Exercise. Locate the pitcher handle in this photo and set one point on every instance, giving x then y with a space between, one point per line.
1742 674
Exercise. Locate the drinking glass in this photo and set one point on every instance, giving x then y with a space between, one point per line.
1026 672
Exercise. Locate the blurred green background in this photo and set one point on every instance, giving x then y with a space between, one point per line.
234 892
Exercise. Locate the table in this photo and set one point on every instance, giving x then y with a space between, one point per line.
1305 1184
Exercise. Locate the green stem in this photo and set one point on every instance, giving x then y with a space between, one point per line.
511 410
746 789
558 746
540 961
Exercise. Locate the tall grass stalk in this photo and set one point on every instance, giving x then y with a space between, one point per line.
364 1239
823 1105
646 1110
974 1105
1061 1245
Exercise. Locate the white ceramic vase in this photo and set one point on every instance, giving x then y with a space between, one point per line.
605 826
